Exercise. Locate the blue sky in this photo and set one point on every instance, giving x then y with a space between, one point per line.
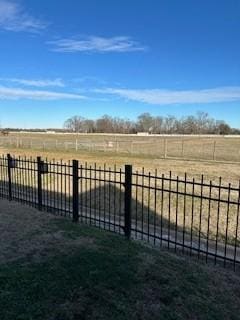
122 58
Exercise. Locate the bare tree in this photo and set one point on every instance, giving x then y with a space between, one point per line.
104 124
170 124
223 128
199 124
145 122
75 124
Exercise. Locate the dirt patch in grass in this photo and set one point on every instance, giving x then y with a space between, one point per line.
28 234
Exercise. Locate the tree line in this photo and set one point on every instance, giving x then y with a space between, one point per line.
201 123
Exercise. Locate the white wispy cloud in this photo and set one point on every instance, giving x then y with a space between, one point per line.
89 79
96 44
36 82
164 97
7 93
13 17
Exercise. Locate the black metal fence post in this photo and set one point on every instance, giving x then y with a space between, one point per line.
75 190
39 182
128 201
144 200
9 159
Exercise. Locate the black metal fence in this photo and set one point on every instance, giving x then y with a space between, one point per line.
193 216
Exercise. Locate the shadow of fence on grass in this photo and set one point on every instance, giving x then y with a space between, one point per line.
180 214
101 204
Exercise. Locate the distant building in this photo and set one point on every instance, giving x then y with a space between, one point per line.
142 133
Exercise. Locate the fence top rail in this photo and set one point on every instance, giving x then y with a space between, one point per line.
193 181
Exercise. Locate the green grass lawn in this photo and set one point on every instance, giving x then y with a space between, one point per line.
107 277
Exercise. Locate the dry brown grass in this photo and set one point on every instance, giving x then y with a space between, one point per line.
230 172
186 147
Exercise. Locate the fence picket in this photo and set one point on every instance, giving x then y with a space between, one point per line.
196 216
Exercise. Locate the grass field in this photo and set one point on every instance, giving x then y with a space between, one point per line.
53 269
230 173
182 147
149 152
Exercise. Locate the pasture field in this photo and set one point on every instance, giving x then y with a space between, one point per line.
211 170
149 152
202 217
215 148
